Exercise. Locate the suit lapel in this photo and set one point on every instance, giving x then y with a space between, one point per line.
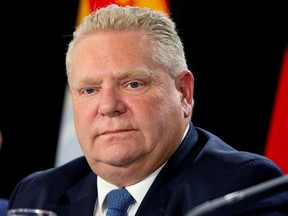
157 198
80 199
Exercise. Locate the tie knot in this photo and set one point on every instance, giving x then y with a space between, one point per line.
118 202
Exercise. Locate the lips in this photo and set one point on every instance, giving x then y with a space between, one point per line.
118 131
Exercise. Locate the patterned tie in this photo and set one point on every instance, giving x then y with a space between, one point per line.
118 202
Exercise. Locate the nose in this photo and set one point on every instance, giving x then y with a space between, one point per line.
111 103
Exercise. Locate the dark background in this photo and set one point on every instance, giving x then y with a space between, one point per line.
234 50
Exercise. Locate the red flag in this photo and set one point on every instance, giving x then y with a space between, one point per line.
277 140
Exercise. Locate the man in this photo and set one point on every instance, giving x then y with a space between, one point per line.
132 96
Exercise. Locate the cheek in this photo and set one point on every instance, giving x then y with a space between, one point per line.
83 118
169 110
167 101
84 109
159 109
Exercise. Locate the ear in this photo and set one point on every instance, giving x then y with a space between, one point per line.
185 86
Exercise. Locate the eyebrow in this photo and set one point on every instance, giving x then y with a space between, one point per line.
137 71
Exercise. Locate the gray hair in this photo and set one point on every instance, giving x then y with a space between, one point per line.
167 49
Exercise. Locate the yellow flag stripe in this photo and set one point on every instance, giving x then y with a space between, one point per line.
83 10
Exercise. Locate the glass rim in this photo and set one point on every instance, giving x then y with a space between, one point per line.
31 210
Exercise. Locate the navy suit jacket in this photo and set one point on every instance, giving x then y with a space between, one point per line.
203 168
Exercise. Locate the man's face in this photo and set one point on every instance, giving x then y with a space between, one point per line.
128 111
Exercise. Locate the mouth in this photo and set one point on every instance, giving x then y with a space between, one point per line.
118 131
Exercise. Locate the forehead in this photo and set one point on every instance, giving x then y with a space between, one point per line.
110 49
111 42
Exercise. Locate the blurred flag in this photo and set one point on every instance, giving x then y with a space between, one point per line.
277 140
68 146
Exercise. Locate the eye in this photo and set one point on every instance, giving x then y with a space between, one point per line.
89 91
134 84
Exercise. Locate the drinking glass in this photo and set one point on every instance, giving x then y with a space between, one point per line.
30 212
